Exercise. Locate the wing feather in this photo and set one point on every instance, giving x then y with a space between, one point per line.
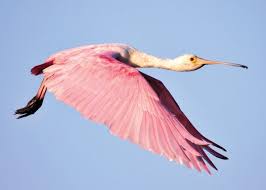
132 104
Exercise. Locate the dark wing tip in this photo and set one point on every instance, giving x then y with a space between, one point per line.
214 153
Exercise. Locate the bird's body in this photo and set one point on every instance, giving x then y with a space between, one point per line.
103 84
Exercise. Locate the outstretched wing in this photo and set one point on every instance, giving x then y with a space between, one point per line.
133 105
168 101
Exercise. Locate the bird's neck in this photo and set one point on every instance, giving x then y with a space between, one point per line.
143 60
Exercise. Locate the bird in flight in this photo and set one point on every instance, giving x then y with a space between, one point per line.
103 83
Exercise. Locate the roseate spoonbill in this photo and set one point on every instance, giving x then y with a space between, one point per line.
103 84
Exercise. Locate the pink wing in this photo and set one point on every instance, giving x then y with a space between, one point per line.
133 105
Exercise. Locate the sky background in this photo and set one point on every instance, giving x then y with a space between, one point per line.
58 149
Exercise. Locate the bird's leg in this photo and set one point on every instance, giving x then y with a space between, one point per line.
34 104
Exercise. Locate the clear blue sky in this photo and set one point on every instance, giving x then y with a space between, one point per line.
58 149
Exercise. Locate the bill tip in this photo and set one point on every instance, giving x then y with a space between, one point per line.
244 66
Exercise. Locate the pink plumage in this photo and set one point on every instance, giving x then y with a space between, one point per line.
103 84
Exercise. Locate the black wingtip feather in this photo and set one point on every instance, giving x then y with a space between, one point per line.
214 153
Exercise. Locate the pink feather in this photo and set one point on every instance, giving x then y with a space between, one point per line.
131 104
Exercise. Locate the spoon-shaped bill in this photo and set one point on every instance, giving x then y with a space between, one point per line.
210 62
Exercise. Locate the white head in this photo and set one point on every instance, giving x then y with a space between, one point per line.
190 62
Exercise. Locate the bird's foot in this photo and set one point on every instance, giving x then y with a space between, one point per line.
33 105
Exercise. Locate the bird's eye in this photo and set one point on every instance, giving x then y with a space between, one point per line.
193 59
